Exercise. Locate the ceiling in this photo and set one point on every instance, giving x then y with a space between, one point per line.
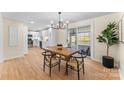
40 20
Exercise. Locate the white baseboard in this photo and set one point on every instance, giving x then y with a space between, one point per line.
26 52
96 60
121 76
5 59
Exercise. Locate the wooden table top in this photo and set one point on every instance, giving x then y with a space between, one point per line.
67 52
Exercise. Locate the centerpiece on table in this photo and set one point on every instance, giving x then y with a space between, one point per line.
59 46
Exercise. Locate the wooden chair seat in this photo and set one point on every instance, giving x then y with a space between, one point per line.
46 53
54 61
76 63
77 55
73 64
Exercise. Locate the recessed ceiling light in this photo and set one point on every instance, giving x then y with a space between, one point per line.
32 22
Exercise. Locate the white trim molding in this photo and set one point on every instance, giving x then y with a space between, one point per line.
121 76
5 59
96 60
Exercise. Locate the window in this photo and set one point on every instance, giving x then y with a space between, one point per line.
83 36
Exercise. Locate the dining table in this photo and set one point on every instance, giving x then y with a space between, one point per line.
64 51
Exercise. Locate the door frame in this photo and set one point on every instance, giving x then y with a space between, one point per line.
92 39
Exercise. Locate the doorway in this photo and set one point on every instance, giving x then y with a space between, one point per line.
72 36
80 38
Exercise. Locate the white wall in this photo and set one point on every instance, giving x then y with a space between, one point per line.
1 38
97 25
17 51
62 37
121 61
44 35
121 57
52 35
25 40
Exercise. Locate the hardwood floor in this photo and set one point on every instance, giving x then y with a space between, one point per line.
30 67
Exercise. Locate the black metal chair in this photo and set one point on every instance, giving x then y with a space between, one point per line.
76 62
85 53
50 60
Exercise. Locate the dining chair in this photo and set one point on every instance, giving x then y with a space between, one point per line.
76 62
50 60
85 51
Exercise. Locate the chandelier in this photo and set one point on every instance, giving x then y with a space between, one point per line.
61 24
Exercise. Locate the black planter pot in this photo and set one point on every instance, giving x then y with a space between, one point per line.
108 61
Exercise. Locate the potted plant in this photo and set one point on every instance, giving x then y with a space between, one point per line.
109 36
